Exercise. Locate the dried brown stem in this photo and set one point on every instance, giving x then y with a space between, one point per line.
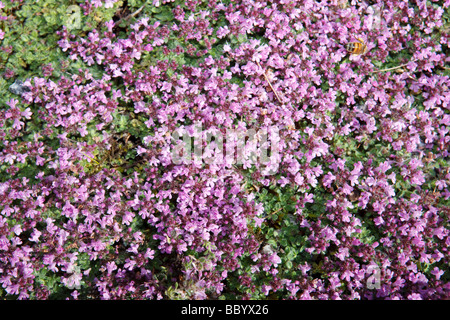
131 15
276 211
270 84
393 68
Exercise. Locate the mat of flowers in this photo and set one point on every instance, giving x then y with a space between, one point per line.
101 199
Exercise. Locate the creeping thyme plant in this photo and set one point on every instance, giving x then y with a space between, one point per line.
92 205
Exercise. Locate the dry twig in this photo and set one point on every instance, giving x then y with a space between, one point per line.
131 15
270 84
393 68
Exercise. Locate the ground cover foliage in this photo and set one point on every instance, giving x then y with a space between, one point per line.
92 205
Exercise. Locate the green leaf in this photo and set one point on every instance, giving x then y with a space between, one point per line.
156 9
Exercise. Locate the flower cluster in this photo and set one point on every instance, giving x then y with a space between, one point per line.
93 206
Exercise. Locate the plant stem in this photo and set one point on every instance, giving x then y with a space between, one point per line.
393 68
268 81
131 15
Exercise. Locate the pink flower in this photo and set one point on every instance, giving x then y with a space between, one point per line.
17 229
109 3
437 273
415 296
166 86
35 235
